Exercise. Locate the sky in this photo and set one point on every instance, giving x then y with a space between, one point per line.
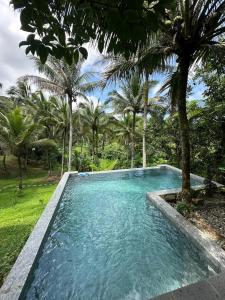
14 62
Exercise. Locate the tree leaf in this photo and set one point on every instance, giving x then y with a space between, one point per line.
23 43
101 43
68 56
75 56
30 37
25 16
43 52
84 52
28 49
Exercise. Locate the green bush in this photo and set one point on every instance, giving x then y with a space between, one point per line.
82 162
114 151
184 208
104 165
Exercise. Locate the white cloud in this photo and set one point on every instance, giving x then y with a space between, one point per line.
92 63
13 60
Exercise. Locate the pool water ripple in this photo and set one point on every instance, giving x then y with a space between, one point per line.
108 242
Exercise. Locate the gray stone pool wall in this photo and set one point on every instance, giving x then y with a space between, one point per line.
16 280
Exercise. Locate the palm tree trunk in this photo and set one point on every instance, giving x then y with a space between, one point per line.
26 158
63 153
70 134
50 167
93 146
82 144
132 142
96 143
20 172
144 135
145 122
4 162
184 126
48 163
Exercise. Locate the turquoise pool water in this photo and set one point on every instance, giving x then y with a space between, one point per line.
108 242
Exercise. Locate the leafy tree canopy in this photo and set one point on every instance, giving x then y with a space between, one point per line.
61 27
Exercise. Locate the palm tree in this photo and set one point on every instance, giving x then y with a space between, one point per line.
129 100
61 115
20 92
147 103
118 67
49 146
43 112
15 131
93 115
191 32
124 132
62 79
53 114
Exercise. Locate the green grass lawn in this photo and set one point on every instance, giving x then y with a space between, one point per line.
18 214
33 175
19 211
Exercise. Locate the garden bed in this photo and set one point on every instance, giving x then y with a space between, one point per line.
207 214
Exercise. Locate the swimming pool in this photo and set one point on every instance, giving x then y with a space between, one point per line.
107 242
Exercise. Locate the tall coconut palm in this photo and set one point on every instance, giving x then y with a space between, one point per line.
129 100
118 67
20 92
61 116
42 109
191 32
15 131
93 114
53 114
123 130
62 79
146 103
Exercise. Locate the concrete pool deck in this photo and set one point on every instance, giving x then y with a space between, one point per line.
13 287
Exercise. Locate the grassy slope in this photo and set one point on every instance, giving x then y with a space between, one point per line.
19 212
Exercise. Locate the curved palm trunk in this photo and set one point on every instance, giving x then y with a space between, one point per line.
184 126
63 153
145 123
70 134
132 142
